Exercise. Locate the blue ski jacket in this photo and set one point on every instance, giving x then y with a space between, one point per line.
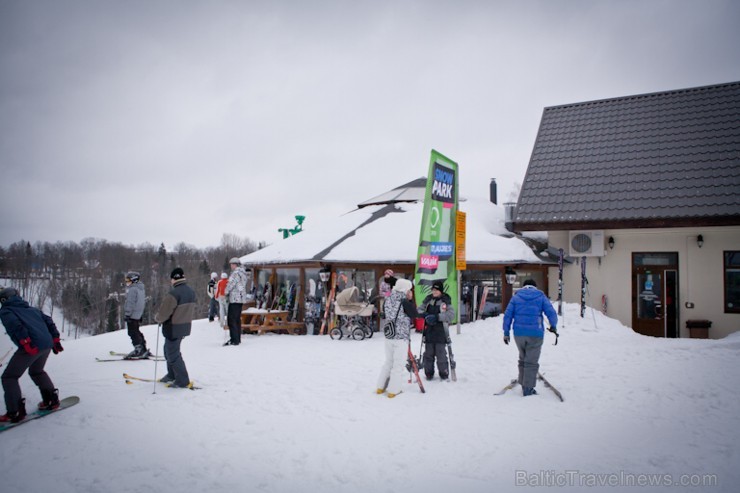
525 311
22 320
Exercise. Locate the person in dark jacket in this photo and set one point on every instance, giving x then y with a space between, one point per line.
36 336
133 311
211 292
438 314
176 316
525 311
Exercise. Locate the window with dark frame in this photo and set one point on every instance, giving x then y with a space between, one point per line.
732 281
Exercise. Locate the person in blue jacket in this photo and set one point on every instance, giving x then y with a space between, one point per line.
525 311
36 336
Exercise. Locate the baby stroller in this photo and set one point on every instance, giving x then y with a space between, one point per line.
353 316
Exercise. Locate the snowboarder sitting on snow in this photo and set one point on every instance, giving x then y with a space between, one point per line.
525 310
438 314
36 336
133 310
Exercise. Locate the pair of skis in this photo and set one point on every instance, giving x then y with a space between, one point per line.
123 357
540 377
413 366
129 379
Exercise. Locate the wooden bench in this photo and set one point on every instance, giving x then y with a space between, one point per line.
261 321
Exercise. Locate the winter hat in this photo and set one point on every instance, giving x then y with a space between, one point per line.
224 275
235 260
439 285
214 275
6 293
388 273
177 273
403 285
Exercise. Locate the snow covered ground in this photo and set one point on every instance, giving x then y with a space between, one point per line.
299 413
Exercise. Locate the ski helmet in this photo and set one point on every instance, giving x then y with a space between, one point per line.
132 276
6 293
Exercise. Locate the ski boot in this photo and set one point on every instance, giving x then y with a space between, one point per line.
50 400
17 416
528 391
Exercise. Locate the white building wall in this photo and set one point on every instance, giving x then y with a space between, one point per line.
700 276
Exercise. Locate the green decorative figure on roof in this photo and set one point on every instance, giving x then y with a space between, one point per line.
297 229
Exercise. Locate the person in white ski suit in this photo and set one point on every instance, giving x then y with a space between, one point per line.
398 307
236 292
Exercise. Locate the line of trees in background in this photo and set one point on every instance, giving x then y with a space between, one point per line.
83 283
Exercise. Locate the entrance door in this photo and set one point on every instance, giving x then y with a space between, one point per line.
654 290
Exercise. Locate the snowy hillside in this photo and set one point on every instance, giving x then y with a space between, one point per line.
299 413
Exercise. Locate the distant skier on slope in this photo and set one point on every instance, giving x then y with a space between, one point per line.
525 311
133 310
36 336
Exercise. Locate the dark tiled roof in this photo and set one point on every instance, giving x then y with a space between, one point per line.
653 160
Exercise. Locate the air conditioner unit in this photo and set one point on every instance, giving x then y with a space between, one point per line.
586 243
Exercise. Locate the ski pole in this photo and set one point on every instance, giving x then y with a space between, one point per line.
156 360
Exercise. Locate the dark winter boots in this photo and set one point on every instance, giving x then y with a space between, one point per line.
17 416
50 400
139 352
528 391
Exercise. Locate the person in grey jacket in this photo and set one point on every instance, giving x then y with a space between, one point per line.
133 310
176 316
236 293
399 308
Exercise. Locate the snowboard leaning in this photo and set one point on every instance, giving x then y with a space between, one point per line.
63 404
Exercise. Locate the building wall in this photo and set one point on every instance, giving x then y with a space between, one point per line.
700 273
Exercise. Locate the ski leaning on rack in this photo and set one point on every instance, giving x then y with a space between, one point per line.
413 367
129 379
584 282
511 385
560 281
63 404
549 386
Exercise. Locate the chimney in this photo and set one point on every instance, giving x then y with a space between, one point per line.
509 210
492 191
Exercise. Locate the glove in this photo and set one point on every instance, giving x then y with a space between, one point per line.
554 330
431 319
506 340
448 341
28 347
57 346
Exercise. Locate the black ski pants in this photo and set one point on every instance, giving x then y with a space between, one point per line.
234 318
137 338
17 366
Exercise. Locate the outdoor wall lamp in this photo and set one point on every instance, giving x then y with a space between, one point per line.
700 240
510 275
611 243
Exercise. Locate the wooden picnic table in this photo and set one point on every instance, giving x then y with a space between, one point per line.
260 321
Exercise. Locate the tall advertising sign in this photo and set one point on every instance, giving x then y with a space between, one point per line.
435 260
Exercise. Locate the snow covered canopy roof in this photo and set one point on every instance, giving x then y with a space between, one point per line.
389 234
412 191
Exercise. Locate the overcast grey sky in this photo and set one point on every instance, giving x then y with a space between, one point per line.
166 121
